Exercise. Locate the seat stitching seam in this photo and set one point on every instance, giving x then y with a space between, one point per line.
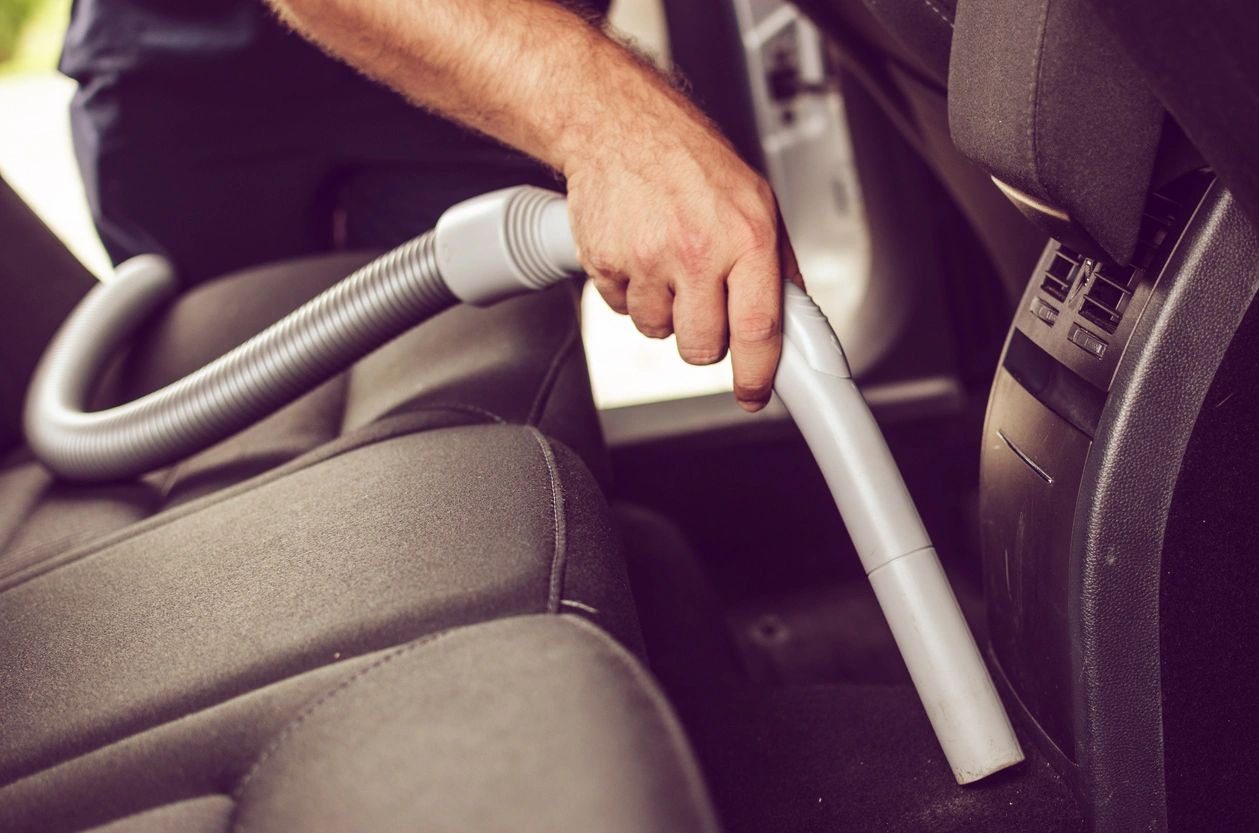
28 771
19 560
274 475
403 410
555 583
939 12
163 519
321 700
16 561
552 373
472 409
1034 100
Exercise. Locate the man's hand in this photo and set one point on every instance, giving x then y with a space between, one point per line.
677 232
673 227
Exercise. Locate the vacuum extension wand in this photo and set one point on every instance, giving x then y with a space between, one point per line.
485 249
814 382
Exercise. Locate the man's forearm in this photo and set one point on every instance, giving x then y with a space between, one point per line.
527 72
673 228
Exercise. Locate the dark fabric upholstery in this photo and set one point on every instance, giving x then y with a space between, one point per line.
1042 97
525 725
364 549
207 750
198 654
286 631
1039 94
529 723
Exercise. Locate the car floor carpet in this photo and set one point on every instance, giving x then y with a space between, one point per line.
800 710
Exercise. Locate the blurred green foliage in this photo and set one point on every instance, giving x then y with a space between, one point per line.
14 15
30 33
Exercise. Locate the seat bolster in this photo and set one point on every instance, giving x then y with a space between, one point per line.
360 551
525 724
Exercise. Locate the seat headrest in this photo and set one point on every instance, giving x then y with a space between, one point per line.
1043 98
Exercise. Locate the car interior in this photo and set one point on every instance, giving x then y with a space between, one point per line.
444 591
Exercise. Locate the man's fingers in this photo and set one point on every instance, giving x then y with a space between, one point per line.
651 307
612 291
699 318
754 287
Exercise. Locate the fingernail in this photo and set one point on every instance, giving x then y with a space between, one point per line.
751 405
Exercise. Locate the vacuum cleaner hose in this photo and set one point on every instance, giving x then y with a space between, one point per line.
484 249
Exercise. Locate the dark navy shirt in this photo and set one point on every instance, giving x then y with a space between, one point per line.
216 41
211 132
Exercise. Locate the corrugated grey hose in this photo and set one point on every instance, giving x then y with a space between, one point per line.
482 250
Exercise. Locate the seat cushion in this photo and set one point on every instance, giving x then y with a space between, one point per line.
363 544
532 723
345 617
